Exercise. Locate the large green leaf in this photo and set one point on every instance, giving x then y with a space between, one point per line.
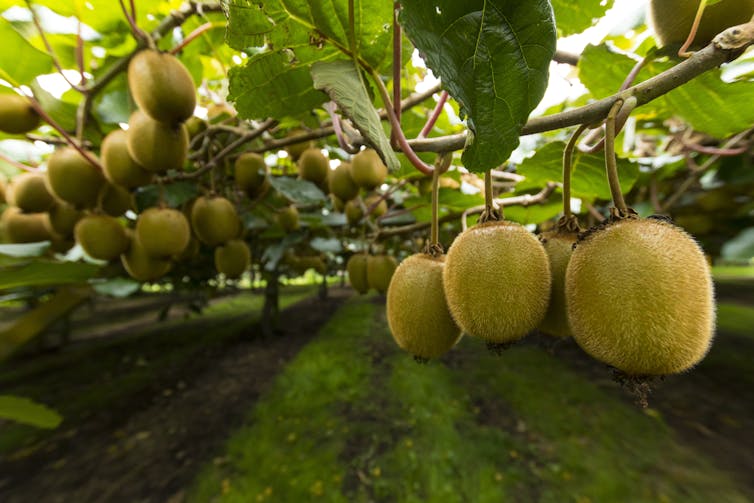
46 272
574 17
298 191
24 249
25 411
493 57
20 62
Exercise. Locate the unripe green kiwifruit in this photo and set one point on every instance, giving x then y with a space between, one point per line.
30 193
417 312
101 236
140 265
357 272
558 246
303 264
3 188
341 184
73 179
251 174
195 125
287 218
313 165
368 170
380 269
214 220
232 258
640 298
380 208
156 146
296 149
337 203
497 281
62 218
163 232
118 166
672 19
116 200
353 211
161 86
24 227
17 116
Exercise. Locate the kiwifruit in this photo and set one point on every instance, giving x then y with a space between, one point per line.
24 227
497 281
118 166
341 184
17 116
61 219
101 236
368 170
558 245
195 125
380 208
140 265
156 146
30 192
251 174
380 269
417 312
116 200
61 244
163 232
357 272
3 188
161 86
73 179
313 165
287 218
353 211
672 19
337 203
214 220
640 297
232 258
296 149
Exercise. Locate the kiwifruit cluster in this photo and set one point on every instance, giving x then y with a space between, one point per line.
251 174
367 169
17 116
313 166
101 236
215 223
671 20
118 165
232 258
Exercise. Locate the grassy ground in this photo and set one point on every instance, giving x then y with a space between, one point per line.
352 418
733 272
736 319
97 376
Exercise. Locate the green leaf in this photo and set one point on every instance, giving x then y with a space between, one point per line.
24 411
325 245
493 57
25 249
574 17
175 194
62 112
298 191
46 272
117 287
534 213
740 247
20 62
342 82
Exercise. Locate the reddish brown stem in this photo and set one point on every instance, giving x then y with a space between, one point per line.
397 65
435 115
17 164
80 54
193 36
683 51
722 152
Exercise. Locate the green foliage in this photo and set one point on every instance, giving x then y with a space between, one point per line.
20 62
298 191
25 411
43 272
574 17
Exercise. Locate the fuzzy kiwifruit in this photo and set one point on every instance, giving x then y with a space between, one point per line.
117 164
140 265
250 173
341 184
162 86
214 220
380 269
672 19
101 236
296 149
3 188
558 246
30 193
640 297
287 218
417 311
116 200
156 146
301 264
353 211
232 258
368 170
73 179
17 116
497 281
164 232
313 165
24 227
337 203
61 219
357 272
379 203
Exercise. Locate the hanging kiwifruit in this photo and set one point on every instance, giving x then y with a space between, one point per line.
296 149
161 86
156 146
101 236
3 189
558 245
140 265
24 227
313 165
30 193
380 269
17 116
118 166
341 184
287 218
74 179
61 219
232 258
353 211
116 200
357 272
368 170
379 203
214 220
497 281
672 19
640 297
251 174
163 232
417 312
337 203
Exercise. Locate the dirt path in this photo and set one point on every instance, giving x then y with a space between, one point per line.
156 448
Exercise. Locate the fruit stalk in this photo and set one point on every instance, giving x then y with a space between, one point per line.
611 165
397 66
683 51
567 164
442 164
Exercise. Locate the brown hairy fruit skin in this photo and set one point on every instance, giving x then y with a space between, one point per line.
232 258
313 165
161 86
287 218
62 218
341 184
3 189
357 272
30 193
140 265
378 210
640 297
116 200
163 232
672 19
118 166
17 116
353 211
155 146
417 311
368 170
73 179
497 281
559 247
24 227
296 149
102 237
380 269
251 174
215 220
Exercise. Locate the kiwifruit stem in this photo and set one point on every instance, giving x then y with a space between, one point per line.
611 165
490 213
567 164
683 51
442 164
